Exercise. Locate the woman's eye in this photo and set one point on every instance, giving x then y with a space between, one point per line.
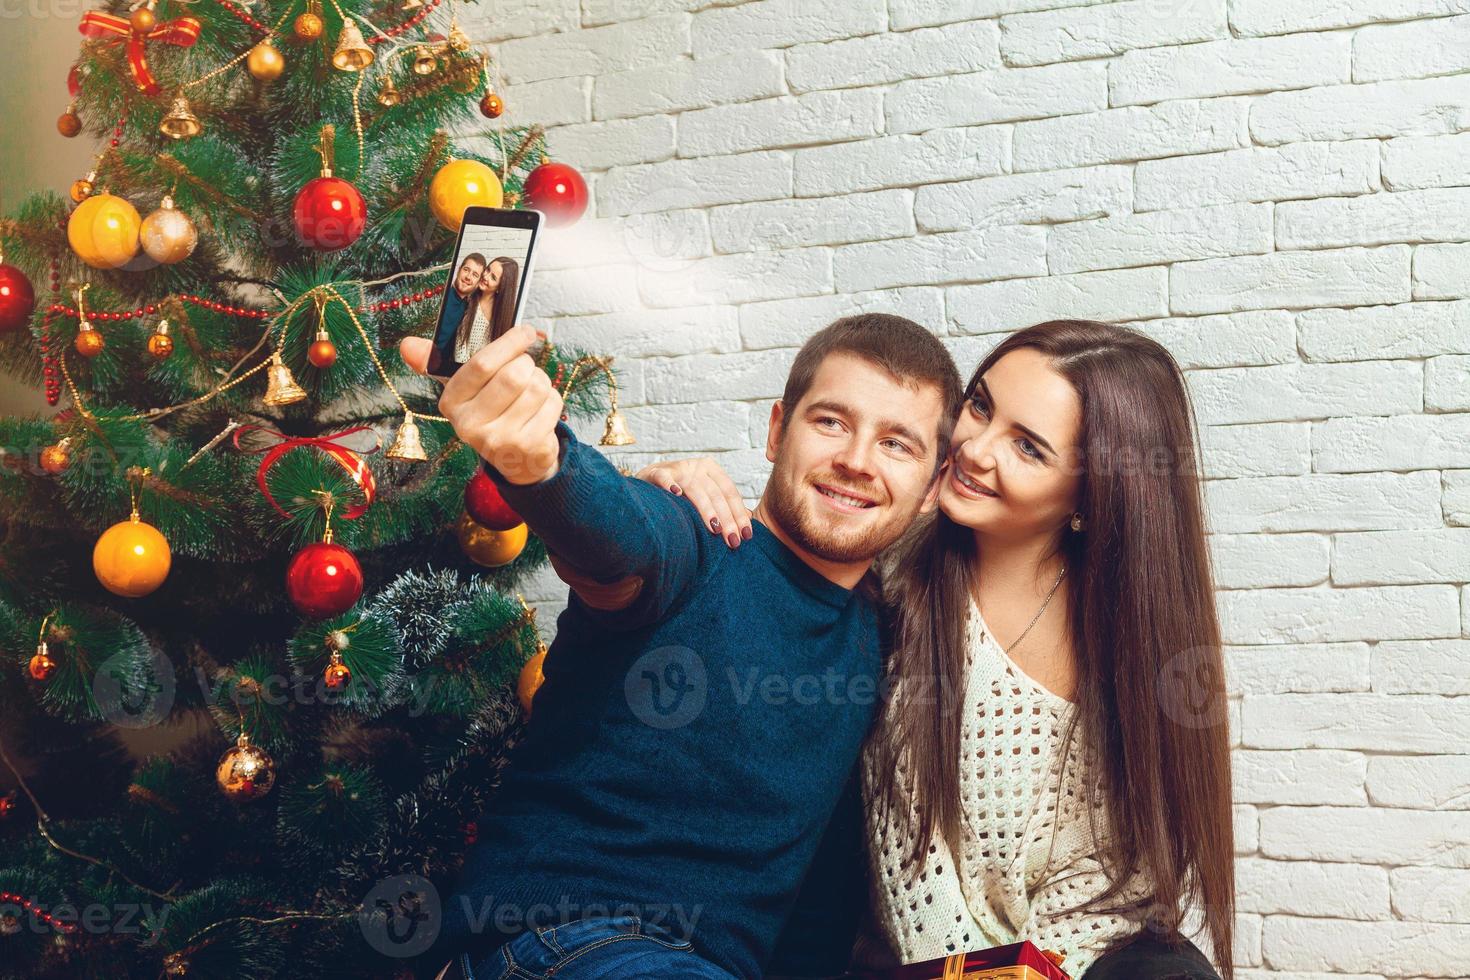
1029 448
978 405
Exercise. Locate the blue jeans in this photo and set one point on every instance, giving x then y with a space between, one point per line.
616 948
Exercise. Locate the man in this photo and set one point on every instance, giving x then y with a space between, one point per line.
703 705
466 281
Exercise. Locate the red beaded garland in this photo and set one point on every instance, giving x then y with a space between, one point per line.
11 898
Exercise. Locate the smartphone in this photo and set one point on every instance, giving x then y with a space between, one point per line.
486 283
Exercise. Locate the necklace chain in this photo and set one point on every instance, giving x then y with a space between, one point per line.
1044 604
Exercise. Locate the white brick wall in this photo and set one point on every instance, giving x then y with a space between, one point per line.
1278 191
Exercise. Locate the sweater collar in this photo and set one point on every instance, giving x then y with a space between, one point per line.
807 578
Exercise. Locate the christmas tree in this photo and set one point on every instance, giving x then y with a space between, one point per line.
265 649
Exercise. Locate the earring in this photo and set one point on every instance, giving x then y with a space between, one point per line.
1076 522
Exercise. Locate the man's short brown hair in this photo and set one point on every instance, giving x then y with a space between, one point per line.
896 344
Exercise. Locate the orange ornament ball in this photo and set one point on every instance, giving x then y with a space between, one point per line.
55 459
490 548
143 20
89 343
131 558
337 676
160 345
491 106
308 26
322 354
69 125
42 666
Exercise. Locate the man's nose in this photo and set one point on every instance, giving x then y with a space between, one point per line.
855 455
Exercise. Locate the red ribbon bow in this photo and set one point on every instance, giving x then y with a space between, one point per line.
182 32
348 459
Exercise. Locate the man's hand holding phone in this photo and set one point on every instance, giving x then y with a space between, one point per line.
501 404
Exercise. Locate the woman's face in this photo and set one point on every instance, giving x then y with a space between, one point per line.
491 282
1013 470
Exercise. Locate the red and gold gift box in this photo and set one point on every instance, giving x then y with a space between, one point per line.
1018 961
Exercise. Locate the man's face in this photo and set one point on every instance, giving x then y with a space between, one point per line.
468 280
853 468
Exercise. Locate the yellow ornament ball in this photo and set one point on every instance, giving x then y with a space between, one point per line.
308 26
461 184
265 62
490 548
532 676
131 558
103 231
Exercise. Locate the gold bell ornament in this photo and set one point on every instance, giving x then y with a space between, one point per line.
281 387
388 94
406 444
458 39
353 53
617 432
180 123
424 62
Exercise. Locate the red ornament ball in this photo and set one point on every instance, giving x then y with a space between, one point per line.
485 505
329 214
17 298
323 580
557 191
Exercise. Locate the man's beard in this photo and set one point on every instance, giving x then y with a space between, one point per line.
784 501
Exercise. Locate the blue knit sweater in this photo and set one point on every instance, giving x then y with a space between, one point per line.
688 752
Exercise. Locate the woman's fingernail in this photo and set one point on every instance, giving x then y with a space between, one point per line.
733 539
746 532
674 488
714 523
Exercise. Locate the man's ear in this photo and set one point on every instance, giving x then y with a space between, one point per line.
931 499
773 431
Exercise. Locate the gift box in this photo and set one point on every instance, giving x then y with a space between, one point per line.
1018 961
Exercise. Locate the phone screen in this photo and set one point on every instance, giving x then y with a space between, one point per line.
485 285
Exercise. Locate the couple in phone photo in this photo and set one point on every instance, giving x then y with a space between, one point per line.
479 306
955 682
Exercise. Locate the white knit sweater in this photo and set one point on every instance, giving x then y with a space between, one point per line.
1029 857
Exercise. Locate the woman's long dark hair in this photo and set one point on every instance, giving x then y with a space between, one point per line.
1142 619
502 309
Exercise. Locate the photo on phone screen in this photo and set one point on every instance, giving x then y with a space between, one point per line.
486 284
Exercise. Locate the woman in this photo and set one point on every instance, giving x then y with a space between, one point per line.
1053 764
491 309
